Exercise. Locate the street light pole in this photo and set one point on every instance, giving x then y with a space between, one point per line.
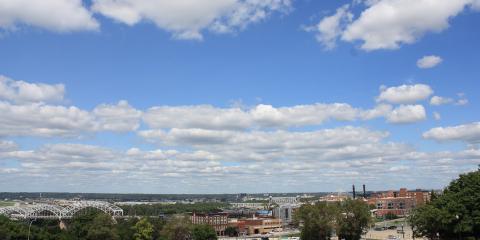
29 226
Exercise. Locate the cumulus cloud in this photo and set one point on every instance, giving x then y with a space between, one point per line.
20 91
407 114
405 93
388 24
121 117
54 15
469 133
330 28
281 157
187 19
429 61
437 100
437 116
49 120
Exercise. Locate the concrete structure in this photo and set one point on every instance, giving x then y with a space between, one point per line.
285 213
219 221
284 200
256 206
333 198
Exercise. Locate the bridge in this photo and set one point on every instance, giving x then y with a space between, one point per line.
59 211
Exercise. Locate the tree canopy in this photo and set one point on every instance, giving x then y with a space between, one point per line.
453 214
348 219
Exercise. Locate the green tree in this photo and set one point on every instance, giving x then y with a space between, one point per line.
203 232
231 231
143 230
125 228
316 221
453 214
353 219
177 228
102 227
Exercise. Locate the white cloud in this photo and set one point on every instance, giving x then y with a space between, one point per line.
437 116
199 116
462 102
437 100
404 93
429 61
407 114
18 120
20 91
257 117
387 24
54 15
121 117
469 133
330 28
244 158
187 19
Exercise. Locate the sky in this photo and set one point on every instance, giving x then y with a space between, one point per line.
229 96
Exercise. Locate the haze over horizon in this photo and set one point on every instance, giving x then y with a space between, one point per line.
233 96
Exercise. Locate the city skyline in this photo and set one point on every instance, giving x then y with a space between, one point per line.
235 96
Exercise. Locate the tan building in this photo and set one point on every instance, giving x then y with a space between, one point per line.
219 221
254 226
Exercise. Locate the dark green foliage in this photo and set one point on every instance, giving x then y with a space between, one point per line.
125 228
143 230
231 231
349 219
353 220
318 221
390 216
453 214
159 209
203 232
178 228
102 227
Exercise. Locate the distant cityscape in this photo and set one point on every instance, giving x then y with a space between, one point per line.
251 215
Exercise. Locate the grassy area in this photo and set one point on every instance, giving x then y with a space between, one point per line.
6 204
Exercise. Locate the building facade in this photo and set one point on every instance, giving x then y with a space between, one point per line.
219 221
399 203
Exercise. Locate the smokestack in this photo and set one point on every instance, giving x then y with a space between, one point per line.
353 189
364 193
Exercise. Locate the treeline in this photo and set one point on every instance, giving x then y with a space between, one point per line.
117 196
348 220
168 209
455 214
102 226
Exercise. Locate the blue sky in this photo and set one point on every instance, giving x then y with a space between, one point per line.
263 64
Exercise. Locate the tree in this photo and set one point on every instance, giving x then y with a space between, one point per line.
316 221
353 220
178 228
203 232
143 230
125 228
231 231
102 228
453 214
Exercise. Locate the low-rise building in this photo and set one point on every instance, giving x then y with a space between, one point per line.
399 203
219 221
255 226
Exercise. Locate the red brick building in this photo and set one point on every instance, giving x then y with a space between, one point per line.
399 203
219 221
